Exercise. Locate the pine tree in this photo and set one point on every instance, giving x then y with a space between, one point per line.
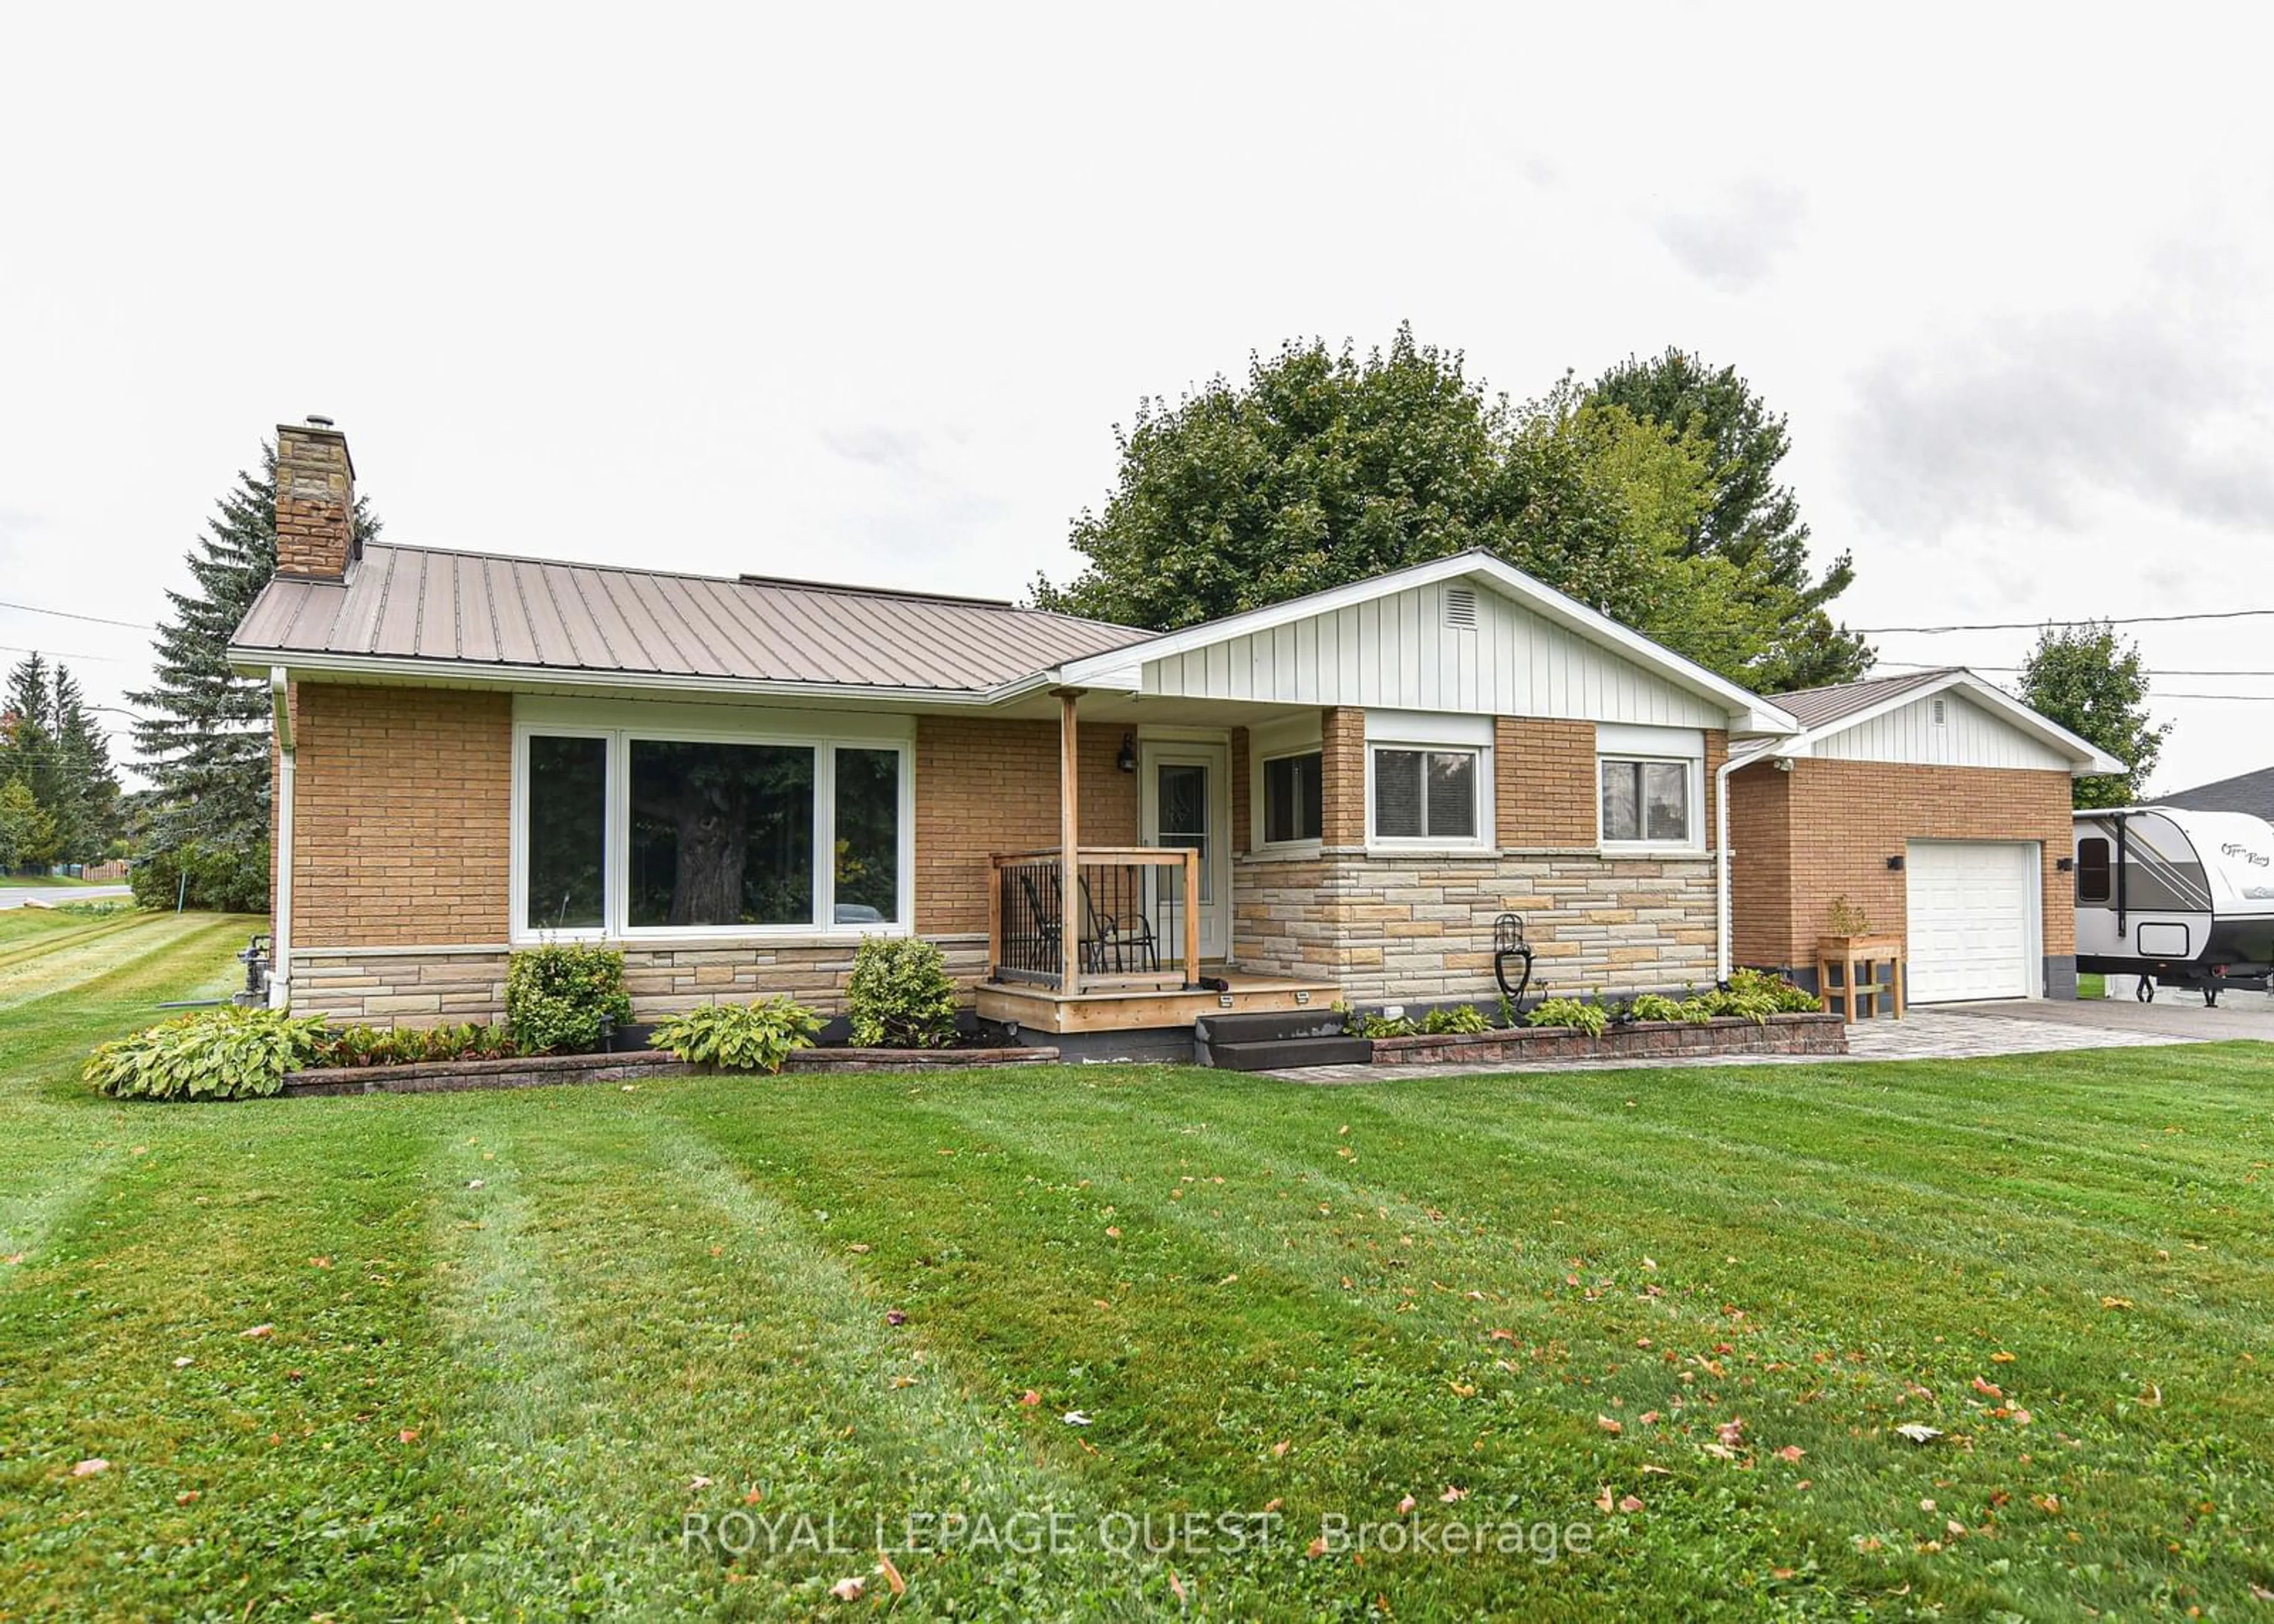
50 746
204 743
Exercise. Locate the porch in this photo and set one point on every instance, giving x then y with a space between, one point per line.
1122 938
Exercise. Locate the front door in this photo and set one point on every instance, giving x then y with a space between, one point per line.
1186 806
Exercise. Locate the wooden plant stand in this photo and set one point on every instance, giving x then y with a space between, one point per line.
1868 965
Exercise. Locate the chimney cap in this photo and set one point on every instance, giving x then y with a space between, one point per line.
317 420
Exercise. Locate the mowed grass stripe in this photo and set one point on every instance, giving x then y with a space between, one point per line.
1199 1360
271 1469
644 1318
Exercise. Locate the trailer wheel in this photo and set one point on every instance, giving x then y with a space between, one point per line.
2144 989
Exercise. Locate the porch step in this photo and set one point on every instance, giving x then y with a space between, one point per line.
1269 1039
1271 1054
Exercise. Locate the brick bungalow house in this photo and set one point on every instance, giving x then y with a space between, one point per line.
735 779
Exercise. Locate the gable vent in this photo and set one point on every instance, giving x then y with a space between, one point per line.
1940 717
1461 608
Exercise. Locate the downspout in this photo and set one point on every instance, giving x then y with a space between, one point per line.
1721 928
280 938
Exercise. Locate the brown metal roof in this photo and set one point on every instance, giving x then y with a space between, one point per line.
1813 707
418 604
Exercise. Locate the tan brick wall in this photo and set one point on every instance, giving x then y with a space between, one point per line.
1544 782
1717 756
985 786
403 816
1243 826
1342 767
1828 827
315 502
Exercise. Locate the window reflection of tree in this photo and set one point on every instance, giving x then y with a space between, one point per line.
721 834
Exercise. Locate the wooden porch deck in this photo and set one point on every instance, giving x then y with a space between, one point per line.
1123 1008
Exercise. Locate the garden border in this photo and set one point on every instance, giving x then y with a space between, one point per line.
545 1070
1812 1033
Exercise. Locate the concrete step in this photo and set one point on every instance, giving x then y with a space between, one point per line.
1271 1054
1265 1025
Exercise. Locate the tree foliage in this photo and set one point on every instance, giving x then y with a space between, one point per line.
1751 520
2092 683
1323 467
204 743
62 802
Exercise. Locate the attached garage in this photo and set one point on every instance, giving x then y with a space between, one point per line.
1972 917
1934 803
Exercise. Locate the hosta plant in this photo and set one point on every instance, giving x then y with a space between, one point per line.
739 1037
225 1053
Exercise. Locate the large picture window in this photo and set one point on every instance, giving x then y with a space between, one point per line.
1646 802
564 833
1425 794
623 831
1293 786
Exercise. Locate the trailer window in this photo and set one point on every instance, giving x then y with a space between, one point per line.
2092 870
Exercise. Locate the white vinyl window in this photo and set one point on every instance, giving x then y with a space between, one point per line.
642 832
1425 794
1293 798
1649 801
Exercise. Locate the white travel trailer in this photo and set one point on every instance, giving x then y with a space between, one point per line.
2176 895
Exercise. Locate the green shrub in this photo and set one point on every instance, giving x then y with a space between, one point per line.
1782 995
1462 1019
224 882
1386 1026
225 1053
556 997
900 996
1654 1006
378 1046
1698 1010
739 1037
1574 1012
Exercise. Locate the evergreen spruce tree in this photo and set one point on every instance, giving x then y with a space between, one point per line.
52 751
204 743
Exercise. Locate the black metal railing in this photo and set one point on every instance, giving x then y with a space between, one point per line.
1117 898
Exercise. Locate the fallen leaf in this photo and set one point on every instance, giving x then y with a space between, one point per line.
1229 1279
848 1590
94 1468
1317 1547
1176 1586
1790 1452
1603 1501
1112 1232
2001 1358
1650 1417
859 1247
1609 1425
407 1435
899 1586
1649 1470
896 1316
1630 1505
903 1381
1720 1451
1732 1431
2022 1418
2047 1503
474 1183
1780 1573
1405 1506
183 1363
699 1482
187 1497
1917 1432
1030 1398
1988 1389
1279 1449
1273 1504
2116 1302
319 1263
260 1330
1452 1495
1075 1417
12 1258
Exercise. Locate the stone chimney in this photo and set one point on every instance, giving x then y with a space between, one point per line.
315 501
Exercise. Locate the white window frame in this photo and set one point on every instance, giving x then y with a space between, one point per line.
621 722
1693 795
1444 733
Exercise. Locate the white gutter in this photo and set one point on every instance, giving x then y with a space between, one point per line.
279 937
1721 928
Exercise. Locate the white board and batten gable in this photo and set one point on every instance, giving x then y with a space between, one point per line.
1950 718
1466 634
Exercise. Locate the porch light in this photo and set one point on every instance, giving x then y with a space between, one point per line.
2065 865
1897 861
1127 759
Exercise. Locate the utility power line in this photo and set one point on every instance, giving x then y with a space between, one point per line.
2043 620
72 614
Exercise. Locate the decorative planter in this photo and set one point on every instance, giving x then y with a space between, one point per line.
1808 1033
543 1071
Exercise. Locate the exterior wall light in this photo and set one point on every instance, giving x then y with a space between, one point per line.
1127 759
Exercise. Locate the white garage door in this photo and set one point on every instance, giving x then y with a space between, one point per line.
1973 907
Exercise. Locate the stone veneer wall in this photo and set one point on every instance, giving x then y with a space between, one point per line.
428 987
1387 928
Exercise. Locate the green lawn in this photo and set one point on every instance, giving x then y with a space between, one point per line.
516 1338
49 881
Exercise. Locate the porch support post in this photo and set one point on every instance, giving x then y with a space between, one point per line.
1192 873
1070 908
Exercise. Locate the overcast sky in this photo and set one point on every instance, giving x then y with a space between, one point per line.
859 293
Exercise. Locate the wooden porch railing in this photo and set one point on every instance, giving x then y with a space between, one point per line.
1110 938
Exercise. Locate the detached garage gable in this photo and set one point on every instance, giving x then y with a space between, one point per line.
1934 802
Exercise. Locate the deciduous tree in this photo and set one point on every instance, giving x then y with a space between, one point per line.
2092 683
